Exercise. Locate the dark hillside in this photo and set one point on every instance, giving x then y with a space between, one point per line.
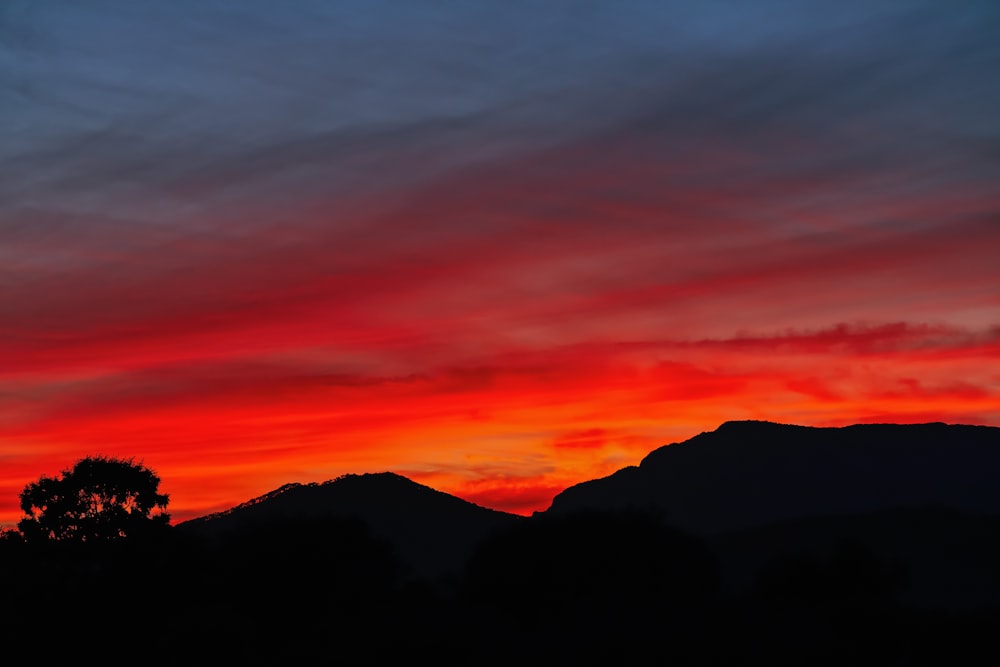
747 474
433 532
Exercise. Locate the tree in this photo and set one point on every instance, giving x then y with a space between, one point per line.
97 500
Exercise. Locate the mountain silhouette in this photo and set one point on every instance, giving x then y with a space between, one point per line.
747 474
754 544
433 532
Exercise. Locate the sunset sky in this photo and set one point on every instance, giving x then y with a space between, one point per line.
499 247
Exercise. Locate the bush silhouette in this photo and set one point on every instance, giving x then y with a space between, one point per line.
97 500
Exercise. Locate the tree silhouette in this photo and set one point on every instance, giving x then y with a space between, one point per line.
97 500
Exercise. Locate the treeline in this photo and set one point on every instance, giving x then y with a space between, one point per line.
591 588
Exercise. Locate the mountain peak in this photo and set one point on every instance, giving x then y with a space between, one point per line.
431 530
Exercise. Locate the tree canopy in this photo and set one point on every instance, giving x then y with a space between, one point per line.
98 499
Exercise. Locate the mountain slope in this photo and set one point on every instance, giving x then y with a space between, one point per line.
433 532
747 474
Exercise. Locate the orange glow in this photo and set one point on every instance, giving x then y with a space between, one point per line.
508 435
499 333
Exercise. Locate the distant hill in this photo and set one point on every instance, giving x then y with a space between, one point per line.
433 532
748 474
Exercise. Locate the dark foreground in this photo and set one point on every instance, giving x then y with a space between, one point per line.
911 588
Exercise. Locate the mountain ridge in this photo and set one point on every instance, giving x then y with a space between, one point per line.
738 475
291 487
742 475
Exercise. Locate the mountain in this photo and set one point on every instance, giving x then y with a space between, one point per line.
433 532
747 474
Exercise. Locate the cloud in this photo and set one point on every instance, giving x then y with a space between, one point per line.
866 339
592 438
544 237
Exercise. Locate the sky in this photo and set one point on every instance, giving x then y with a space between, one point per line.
496 247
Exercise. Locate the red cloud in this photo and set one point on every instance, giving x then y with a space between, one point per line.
593 438
494 313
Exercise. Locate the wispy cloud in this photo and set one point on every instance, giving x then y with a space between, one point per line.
280 243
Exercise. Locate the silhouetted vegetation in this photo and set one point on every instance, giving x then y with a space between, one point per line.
851 578
98 499
585 562
585 589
